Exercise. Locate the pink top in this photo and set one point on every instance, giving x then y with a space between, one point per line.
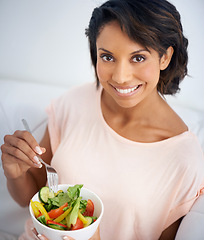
145 187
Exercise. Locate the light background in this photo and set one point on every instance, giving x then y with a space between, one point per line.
44 41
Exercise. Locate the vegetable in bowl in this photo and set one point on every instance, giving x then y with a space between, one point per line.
64 210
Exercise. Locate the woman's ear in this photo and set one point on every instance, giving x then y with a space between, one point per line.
166 58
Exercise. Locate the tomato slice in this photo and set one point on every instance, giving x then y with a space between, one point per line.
54 213
78 225
89 209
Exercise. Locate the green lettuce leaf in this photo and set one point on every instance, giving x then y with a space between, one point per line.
74 192
60 199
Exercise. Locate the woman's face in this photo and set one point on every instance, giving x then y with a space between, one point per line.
128 72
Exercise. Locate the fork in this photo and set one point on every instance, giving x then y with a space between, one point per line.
52 176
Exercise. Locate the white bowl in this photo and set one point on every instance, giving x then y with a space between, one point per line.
81 234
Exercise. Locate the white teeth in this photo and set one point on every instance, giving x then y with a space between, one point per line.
128 90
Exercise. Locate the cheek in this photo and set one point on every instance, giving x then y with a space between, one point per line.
150 73
102 72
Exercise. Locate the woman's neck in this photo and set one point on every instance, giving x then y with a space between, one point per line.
149 121
139 112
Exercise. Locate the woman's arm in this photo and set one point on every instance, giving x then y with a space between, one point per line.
24 175
170 232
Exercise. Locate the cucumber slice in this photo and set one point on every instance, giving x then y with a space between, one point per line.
57 227
45 193
89 221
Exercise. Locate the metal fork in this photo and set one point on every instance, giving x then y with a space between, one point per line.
52 176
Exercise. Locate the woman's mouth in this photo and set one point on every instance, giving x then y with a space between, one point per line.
127 91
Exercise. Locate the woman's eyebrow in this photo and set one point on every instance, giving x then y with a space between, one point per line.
135 52
140 50
103 49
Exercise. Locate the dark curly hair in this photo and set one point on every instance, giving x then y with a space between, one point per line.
152 23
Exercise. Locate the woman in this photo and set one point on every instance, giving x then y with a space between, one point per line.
120 138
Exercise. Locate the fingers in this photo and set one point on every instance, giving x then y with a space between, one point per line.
30 140
22 145
67 238
42 237
37 235
20 152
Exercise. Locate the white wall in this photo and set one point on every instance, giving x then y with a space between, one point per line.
192 17
44 41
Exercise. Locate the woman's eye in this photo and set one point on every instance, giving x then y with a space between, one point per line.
138 58
107 58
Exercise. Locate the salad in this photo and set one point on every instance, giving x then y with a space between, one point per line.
63 210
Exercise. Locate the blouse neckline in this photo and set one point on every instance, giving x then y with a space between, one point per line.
125 140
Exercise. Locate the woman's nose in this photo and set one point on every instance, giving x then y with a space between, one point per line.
122 72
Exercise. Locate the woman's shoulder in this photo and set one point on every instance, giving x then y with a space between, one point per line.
80 89
76 94
77 100
166 124
171 124
186 146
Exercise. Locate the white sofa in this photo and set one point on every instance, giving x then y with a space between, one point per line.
20 100
28 100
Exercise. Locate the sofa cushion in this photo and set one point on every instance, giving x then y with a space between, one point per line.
25 100
20 100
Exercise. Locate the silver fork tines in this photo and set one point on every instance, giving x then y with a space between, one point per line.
52 177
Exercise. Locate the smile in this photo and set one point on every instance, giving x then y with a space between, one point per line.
126 91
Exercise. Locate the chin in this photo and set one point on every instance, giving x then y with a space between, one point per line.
127 104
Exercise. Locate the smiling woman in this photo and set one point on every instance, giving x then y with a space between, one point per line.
157 28
121 126
125 69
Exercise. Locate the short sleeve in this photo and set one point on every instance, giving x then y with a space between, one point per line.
184 207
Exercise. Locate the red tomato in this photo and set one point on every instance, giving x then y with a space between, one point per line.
54 213
89 209
78 225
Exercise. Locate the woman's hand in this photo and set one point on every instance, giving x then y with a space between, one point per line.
21 165
19 153
96 236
